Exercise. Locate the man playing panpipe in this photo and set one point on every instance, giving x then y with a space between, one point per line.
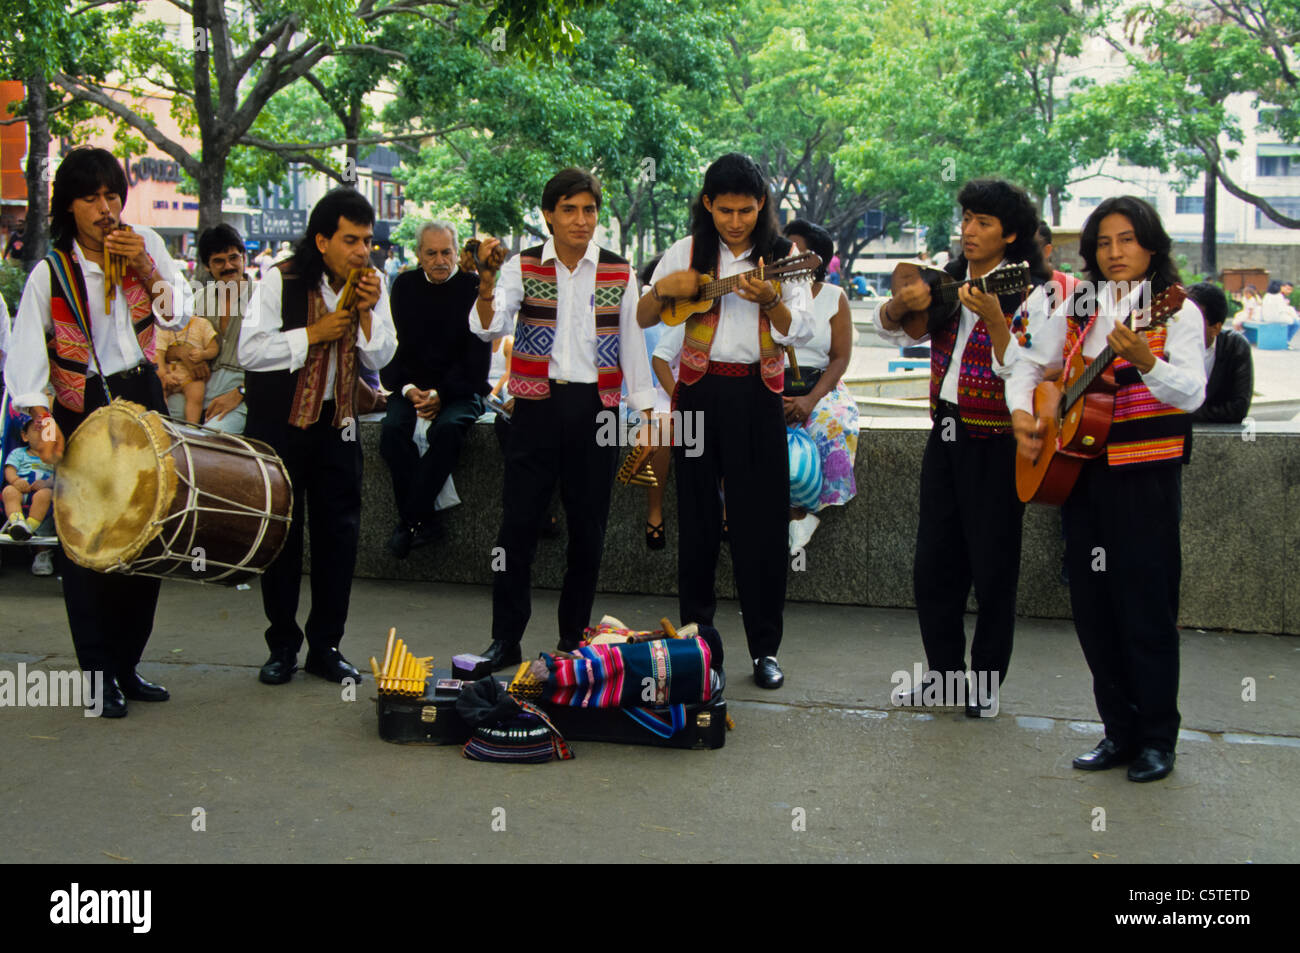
300 347
86 326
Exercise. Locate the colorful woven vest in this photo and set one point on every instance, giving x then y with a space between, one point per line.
1145 430
698 342
69 346
530 357
980 397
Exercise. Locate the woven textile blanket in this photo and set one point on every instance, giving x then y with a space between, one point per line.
632 675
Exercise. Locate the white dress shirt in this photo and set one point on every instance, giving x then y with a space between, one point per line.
1036 314
27 370
1178 379
264 346
736 339
573 355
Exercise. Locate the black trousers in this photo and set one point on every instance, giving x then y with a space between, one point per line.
968 534
744 453
110 615
416 479
326 472
1124 553
553 439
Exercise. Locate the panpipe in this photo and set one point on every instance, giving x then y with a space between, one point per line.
636 469
114 273
349 292
402 673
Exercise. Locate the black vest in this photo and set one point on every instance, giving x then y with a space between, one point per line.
269 394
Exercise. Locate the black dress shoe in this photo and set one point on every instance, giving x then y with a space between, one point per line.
566 646
502 654
137 689
1151 764
767 673
1105 755
279 668
399 544
114 701
429 532
931 693
331 666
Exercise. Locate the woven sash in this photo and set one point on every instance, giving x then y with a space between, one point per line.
309 393
698 342
70 345
981 400
530 356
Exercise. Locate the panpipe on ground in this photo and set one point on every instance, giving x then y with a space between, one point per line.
402 673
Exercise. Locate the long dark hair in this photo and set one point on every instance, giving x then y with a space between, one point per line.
82 172
735 174
1150 232
307 262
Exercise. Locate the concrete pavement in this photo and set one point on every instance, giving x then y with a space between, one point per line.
822 770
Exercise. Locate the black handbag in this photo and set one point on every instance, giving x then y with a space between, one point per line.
808 377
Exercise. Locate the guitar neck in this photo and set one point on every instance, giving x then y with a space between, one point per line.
1090 374
721 286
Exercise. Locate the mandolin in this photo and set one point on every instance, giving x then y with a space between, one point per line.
793 268
1007 278
1077 410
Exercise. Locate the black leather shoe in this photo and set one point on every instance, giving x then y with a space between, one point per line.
925 696
1105 755
767 673
331 666
501 654
1151 764
399 544
114 701
138 690
278 668
566 646
429 532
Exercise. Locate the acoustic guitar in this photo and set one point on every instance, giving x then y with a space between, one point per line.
1078 408
1007 278
794 268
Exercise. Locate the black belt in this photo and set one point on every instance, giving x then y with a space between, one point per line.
138 371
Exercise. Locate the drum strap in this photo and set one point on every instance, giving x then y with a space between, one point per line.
74 292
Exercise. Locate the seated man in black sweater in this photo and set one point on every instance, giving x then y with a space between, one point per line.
1229 368
439 374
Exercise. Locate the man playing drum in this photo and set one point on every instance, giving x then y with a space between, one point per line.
301 347
90 336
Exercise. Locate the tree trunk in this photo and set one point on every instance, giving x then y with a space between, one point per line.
1055 192
212 188
36 231
1209 230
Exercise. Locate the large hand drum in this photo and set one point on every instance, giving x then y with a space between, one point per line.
139 493
805 468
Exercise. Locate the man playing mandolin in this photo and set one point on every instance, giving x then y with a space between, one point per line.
970 518
732 374
1123 550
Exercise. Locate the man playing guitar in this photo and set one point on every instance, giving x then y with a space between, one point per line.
1121 518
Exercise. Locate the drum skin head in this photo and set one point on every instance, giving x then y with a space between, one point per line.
114 486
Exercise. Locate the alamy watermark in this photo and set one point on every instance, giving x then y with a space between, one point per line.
945 689
53 689
685 429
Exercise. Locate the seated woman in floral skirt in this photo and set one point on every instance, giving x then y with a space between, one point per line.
825 410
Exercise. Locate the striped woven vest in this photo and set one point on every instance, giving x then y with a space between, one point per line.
1145 430
698 342
530 357
981 400
68 347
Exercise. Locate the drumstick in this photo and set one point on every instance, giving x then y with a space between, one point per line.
794 363
668 628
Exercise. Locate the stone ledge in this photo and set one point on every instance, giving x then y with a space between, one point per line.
1241 532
